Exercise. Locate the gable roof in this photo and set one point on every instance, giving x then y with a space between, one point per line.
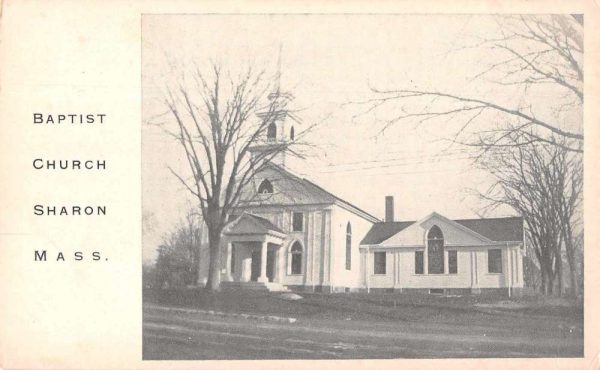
258 225
303 191
340 201
268 225
501 229
384 230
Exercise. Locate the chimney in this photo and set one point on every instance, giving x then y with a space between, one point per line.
389 208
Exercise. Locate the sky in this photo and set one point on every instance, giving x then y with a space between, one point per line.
329 63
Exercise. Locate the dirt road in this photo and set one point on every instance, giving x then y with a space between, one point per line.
195 336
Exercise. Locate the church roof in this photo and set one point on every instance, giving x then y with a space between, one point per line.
337 199
384 230
501 229
293 189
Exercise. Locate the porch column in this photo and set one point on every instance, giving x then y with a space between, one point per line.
368 270
278 264
228 262
263 264
509 267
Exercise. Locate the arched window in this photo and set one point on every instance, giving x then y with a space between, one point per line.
265 187
292 133
348 246
435 251
272 131
296 258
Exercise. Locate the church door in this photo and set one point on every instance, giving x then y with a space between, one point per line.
270 265
255 265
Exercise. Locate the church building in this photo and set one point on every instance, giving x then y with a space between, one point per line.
295 235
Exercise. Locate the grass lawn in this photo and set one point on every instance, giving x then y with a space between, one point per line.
381 307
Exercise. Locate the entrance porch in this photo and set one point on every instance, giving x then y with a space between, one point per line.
253 261
253 253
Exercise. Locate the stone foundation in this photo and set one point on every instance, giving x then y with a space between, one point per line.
487 292
324 289
310 288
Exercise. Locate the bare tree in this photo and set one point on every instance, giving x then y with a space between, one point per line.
568 196
191 233
543 182
219 120
526 127
179 254
532 55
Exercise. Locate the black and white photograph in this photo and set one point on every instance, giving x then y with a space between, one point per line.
362 186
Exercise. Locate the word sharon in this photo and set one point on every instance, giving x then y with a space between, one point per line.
40 210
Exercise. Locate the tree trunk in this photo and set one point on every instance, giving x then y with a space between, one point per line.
548 283
573 282
548 277
572 266
214 266
543 280
559 273
574 291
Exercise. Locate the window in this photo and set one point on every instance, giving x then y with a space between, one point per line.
232 266
292 133
452 262
348 246
297 221
419 262
435 251
272 132
495 261
296 258
265 187
379 263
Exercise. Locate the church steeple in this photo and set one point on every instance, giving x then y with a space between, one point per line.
281 128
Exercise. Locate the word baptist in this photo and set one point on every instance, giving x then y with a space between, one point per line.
68 118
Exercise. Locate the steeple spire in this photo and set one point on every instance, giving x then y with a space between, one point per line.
278 76
281 129
277 92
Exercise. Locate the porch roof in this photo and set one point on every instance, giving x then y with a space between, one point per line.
249 224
